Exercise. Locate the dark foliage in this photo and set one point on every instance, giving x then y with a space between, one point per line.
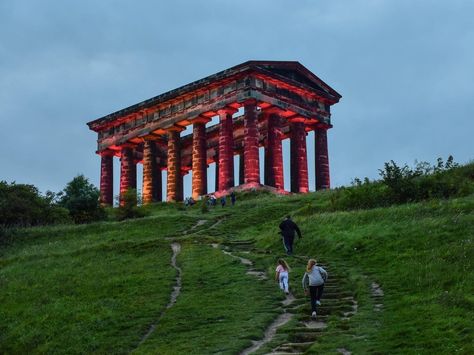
128 206
22 205
81 199
402 184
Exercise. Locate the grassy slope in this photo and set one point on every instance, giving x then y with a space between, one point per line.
85 289
421 255
220 308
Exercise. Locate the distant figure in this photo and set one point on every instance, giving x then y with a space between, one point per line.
213 200
223 201
314 279
281 275
287 230
191 201
232 198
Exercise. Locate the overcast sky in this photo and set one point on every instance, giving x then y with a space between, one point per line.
404 68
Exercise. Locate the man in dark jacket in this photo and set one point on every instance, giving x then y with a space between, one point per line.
287 230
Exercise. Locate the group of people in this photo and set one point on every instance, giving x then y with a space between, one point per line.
314 277
212 199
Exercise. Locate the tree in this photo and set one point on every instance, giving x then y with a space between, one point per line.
81 198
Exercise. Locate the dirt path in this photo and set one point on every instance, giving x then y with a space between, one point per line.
305 331
176 248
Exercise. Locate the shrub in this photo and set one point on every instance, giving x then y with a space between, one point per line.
22 205
205 204
128 206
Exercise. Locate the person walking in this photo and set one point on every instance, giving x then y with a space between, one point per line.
314 279
232 198
223 201
287 230
282 275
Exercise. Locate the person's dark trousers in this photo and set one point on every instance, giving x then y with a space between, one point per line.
288 241
315 292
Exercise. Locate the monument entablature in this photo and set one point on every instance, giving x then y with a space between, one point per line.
279 100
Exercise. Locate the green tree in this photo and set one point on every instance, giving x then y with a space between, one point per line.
81 198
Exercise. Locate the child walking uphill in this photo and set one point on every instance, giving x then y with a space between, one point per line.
314 278
281 275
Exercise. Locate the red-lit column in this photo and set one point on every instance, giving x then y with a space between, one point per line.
128 171
216 160
226 149
151 173
251 167
299 162
273 153
106 178
174 183
241 168
199 183
322 158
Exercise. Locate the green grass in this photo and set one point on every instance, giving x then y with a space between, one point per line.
98 288
220 309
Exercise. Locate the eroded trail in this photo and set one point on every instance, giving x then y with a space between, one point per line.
303 331
176 248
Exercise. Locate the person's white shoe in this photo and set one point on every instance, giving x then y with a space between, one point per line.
313 315
318 303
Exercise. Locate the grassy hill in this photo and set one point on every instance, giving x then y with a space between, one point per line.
105 287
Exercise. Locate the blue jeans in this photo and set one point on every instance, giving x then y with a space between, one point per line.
288 244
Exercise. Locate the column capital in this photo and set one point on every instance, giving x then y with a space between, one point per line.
249 102
106 153
228 110
200 119
322 126
296 118
175 128
127 145
273 110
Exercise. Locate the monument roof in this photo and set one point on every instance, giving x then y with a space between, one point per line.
291 72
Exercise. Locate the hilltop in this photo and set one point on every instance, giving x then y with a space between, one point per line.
401 280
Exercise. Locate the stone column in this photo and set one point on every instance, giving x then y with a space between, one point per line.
128 171
151 189
226 149
241 168
299 162
199 184
321 158
273 153
251 168
107 178
174 183
216 159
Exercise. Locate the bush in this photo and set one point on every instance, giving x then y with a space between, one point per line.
128 206
81 199
22 205
402 184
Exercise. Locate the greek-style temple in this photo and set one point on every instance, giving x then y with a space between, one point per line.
280 99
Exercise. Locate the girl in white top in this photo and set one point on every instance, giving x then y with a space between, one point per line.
281 275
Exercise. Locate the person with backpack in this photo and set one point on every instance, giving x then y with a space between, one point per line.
287 230
313 283
281 275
